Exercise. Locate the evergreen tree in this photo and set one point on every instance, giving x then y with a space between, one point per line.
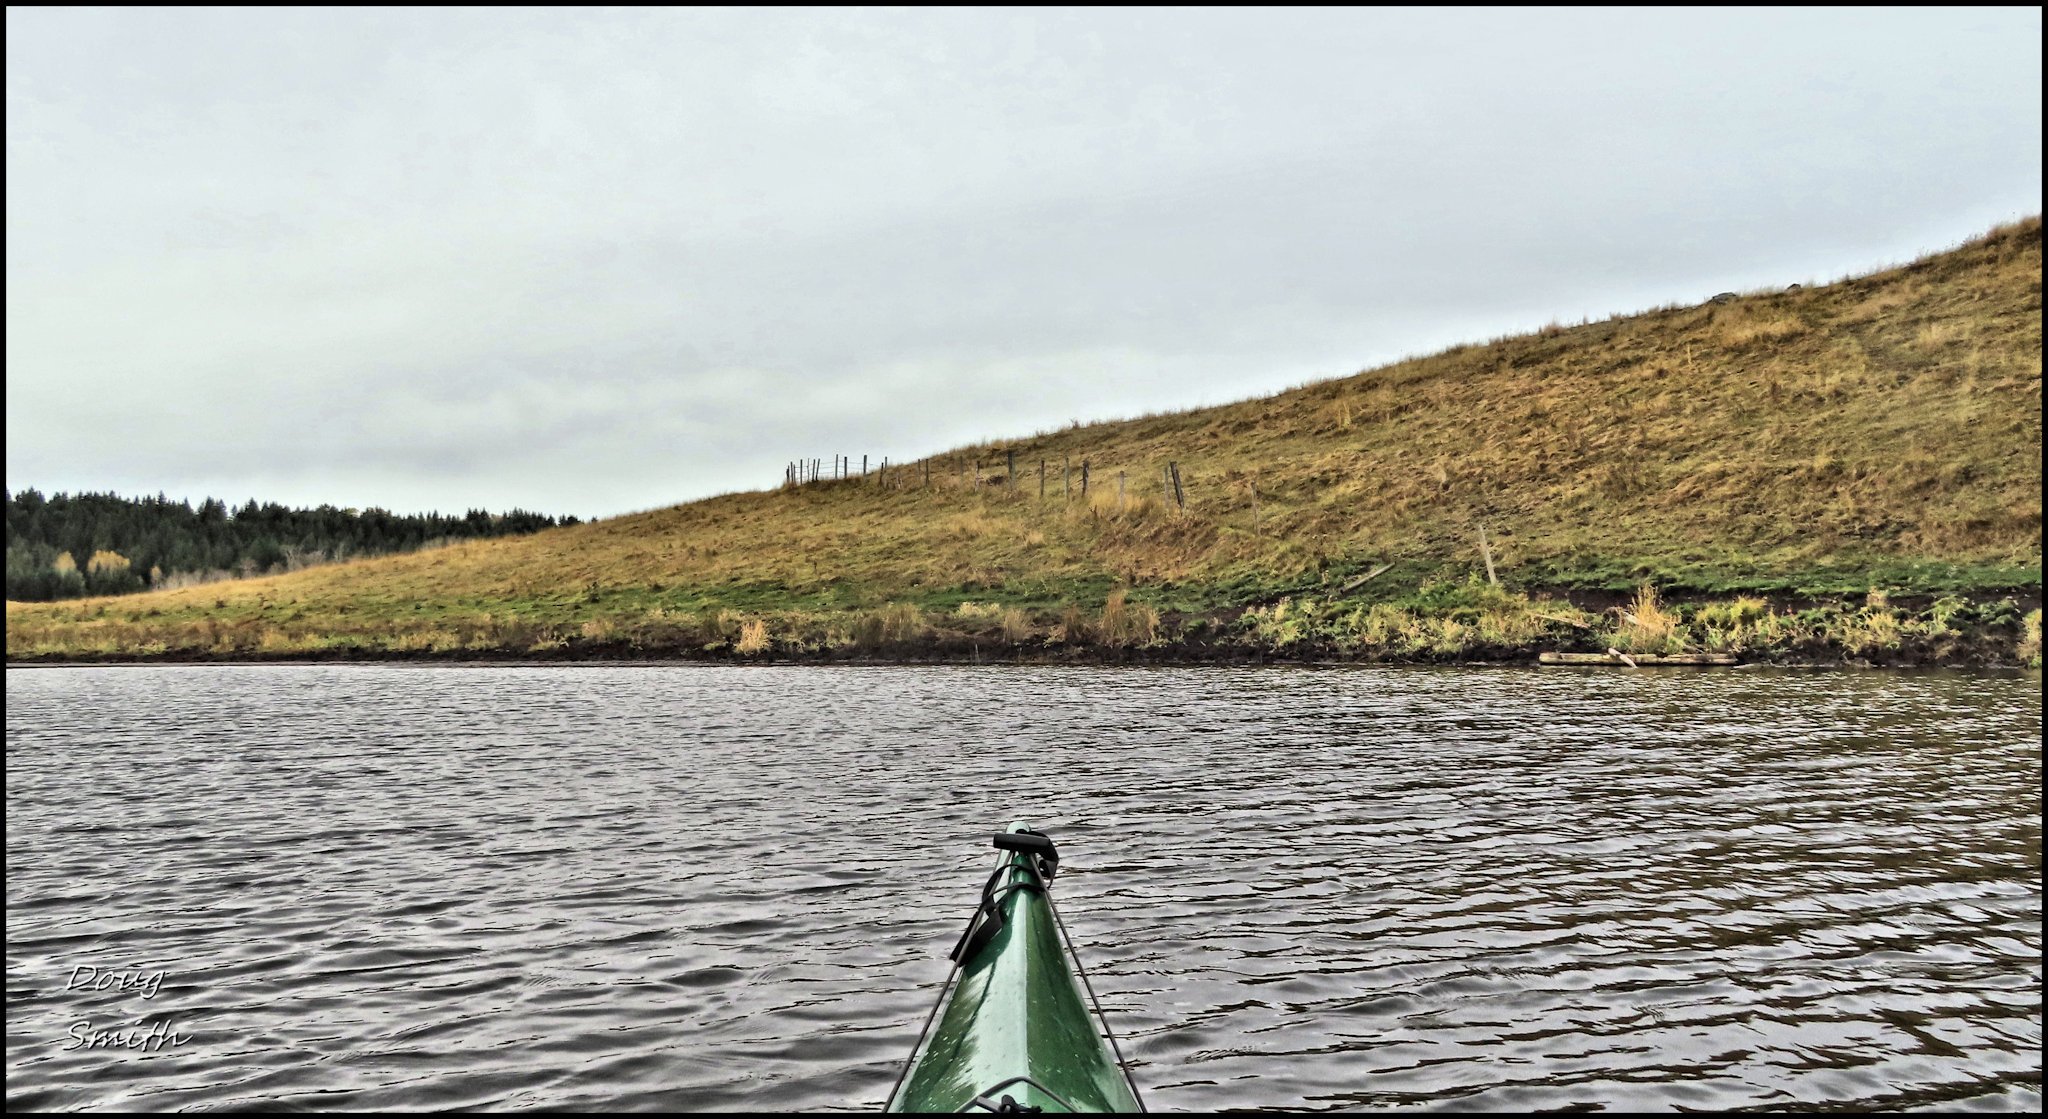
130 544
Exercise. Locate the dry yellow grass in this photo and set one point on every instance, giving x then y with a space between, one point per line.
753 638
1124 622
1646 627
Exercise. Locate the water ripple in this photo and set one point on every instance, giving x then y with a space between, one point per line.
695 888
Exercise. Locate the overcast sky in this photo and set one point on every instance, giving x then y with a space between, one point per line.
592 262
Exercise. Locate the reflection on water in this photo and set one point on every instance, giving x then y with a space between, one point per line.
731 889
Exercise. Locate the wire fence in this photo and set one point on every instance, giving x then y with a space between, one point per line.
1064 480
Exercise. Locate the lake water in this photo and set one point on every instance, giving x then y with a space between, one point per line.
712 888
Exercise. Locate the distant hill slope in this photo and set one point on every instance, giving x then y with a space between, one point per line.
1883 431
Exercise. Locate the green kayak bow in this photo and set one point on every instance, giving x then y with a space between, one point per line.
1014 1034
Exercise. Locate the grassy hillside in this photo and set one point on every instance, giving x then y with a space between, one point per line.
1880 434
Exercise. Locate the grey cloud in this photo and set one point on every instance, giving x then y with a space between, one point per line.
535 257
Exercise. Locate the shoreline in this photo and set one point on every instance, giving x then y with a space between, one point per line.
1438 622
991 656
2004 668
1442 623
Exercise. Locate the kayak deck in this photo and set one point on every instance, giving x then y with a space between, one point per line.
1015 1032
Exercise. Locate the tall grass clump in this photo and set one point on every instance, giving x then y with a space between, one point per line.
1382 628
1646 627
1124 622
1282 625
1869 630
1745 610
893 624
1510 626
1734 626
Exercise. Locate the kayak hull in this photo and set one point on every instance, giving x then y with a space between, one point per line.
1016 1023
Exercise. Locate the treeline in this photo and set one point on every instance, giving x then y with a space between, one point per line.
72 545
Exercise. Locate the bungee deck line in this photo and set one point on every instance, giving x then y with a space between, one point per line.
1094 1003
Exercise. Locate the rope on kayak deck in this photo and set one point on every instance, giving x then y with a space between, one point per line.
1122 1065
901 1076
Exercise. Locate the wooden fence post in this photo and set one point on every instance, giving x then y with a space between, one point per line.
1255 503
1010 481
1180 498
1119 491
1041 479
863 464
1066 471
1486 553
1084 479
